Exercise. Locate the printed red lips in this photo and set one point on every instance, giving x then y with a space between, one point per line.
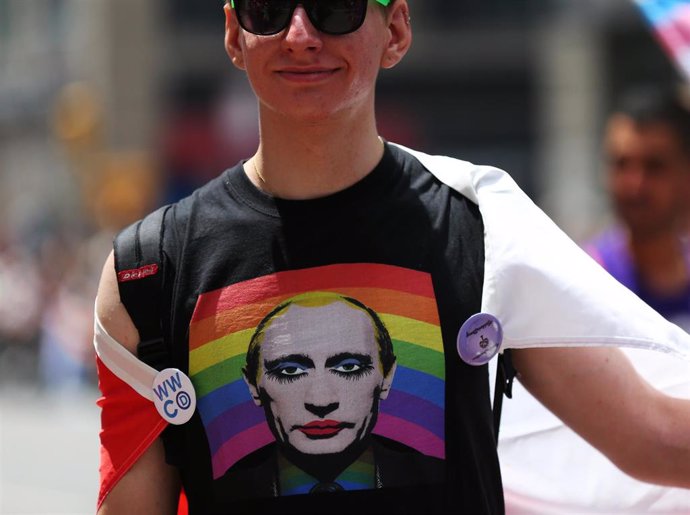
324 428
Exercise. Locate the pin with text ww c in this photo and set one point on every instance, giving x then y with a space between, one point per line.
174 396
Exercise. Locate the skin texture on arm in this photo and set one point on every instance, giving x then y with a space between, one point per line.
598 393
151 486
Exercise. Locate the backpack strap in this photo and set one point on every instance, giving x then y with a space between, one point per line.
505 374
140 268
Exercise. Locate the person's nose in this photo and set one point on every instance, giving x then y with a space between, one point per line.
636 181
629 180
322 411
300 34
321 397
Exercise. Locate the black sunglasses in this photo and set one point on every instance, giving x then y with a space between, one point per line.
334 17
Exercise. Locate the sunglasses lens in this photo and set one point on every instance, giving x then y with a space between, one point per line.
338 17
263 17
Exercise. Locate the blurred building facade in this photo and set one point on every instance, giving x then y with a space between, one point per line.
109 108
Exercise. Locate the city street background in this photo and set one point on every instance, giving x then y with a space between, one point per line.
48 452
111 108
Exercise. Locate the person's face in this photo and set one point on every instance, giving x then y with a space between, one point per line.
320 379
648 175
303 73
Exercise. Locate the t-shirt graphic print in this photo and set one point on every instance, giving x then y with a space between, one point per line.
320 380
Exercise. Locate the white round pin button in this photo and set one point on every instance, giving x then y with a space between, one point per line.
174 396
479 339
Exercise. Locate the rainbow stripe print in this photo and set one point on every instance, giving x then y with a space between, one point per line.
670 20
224 321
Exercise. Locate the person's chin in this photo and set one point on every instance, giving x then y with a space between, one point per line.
312 446
324 462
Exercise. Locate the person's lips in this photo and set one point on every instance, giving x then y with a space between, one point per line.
307 73
323 428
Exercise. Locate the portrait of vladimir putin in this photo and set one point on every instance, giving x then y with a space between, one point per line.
319 364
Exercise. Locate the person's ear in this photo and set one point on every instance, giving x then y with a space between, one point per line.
387 382
253 390
233 34
400 34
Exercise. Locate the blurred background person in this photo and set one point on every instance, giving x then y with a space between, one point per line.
647 176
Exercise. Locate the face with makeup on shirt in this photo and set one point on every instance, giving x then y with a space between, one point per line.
320 378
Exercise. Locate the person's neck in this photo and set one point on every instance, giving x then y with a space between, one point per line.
314 159
660 262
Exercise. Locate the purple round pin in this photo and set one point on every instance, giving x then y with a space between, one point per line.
479 339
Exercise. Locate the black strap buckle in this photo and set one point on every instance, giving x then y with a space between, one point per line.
505 374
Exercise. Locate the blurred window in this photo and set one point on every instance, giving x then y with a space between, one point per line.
186 12
450 11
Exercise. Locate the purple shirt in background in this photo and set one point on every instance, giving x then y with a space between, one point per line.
610 250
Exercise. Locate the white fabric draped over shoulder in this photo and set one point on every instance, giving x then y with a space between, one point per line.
541 286
546 291
121 362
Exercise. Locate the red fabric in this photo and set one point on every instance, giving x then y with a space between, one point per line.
183 508
129 425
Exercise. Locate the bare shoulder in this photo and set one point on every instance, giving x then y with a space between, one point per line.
110 310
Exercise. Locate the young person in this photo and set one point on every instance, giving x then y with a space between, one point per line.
325 205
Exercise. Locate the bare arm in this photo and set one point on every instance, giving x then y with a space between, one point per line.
151 486
598 393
